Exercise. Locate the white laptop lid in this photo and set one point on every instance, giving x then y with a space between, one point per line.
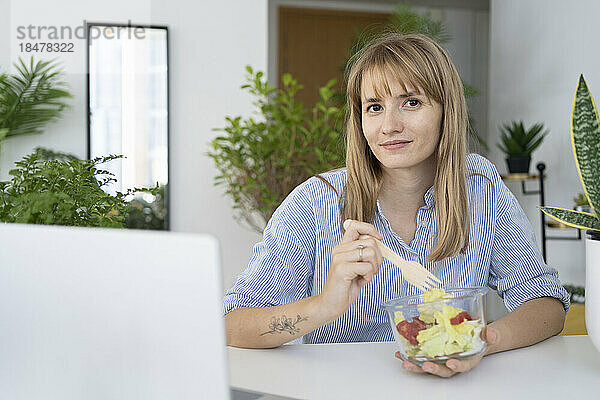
110 314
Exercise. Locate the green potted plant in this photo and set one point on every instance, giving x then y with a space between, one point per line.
261 160
518 143
31 98
69 192
585 136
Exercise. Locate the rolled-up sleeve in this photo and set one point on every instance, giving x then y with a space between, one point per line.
517 270
281 265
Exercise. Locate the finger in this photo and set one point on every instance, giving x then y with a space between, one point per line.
491 337
355 270
463 365
372 243
356 228
363 280
350 252
410 366
353 254
437 369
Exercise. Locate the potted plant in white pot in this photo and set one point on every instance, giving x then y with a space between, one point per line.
585 138
518 143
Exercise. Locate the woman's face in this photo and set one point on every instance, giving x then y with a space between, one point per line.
403 129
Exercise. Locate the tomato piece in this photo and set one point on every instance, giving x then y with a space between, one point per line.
410 330
418 323
404 329
460 318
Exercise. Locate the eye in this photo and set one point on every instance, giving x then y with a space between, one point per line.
376 109
413 103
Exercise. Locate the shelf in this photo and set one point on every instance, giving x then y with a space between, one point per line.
540 177
558 225
519 177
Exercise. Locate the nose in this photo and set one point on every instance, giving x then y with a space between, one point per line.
392 122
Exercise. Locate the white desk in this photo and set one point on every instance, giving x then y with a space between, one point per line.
566 366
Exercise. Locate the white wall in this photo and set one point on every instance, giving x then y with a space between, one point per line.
210 43
4 33
538 48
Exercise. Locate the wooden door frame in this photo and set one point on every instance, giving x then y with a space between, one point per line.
386 6
273 24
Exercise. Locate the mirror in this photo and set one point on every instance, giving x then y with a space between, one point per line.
128 113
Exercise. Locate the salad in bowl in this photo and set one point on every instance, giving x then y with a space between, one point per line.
439 324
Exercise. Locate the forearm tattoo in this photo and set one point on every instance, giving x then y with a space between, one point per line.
284 324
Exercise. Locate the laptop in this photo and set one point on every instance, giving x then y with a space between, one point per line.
89 313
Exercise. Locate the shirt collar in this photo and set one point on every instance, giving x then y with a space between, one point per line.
429 197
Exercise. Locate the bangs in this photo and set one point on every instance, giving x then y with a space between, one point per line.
387 62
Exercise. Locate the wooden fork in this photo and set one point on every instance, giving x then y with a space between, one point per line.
412 271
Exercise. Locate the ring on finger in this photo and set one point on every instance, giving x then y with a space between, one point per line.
360 252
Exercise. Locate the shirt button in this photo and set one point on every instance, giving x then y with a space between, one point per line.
423 223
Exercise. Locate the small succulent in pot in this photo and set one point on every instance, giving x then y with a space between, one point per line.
518 143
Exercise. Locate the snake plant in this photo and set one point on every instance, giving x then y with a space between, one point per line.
585 139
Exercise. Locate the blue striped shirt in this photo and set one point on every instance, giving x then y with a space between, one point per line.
292 260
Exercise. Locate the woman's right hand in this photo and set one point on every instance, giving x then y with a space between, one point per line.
347 272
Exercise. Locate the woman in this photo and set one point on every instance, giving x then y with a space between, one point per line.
408 182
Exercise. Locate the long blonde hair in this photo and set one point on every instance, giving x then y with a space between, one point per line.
415 59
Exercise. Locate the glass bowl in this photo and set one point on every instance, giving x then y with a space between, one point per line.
439 330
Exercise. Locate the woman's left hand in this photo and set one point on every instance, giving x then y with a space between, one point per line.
453 367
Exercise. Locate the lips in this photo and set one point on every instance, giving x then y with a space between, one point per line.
394 142
392 145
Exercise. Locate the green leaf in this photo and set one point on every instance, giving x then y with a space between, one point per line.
575 219
67 191
516 140
585 136
32 98
325 93
260 160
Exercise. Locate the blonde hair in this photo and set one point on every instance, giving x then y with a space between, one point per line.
418 60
